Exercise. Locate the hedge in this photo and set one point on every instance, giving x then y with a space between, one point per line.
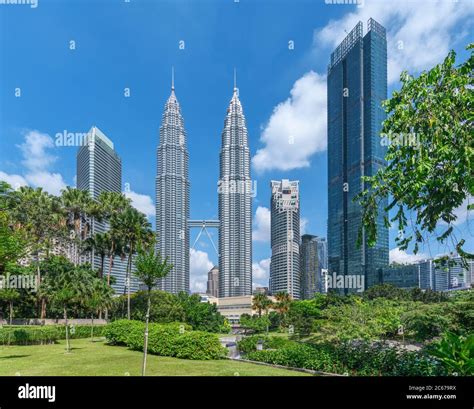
175 339
47 334
363 359
249 344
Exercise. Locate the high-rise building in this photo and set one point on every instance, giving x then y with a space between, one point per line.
357 85
99 169
313 260
285 238
235 205
213 282
172 197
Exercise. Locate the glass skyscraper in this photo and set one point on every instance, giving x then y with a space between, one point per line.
313 260
357 85
235 205
99 169
172 197
285 238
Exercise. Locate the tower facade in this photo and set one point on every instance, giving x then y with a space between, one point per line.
172 197
313 260
357 85
285 238
235 205
99 169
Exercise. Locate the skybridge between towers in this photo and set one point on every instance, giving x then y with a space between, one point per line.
204 225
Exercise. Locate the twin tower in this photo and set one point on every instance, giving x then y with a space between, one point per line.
234 190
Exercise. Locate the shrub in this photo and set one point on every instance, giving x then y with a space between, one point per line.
173 339
361 359
47 334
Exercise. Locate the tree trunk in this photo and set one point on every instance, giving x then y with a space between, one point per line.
92 327
145 346
43 308
129 273
111 261
11 312
102 260
68 347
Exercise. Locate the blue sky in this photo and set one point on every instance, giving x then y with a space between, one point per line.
280 49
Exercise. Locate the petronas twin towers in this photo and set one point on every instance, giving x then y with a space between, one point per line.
235 201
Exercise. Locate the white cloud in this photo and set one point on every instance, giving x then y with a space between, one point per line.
35 151
297 127
419 33
15 181
50 182
199 267
261 270
143 203
261 228
37 160
303 223
402 257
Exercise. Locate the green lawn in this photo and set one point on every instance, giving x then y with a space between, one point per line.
96 358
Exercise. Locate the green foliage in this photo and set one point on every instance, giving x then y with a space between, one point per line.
249 344
151 267
254 323
455 353
302 315
372 320
426 321
175 340
165 307
47 334
360 359
432 177
202 316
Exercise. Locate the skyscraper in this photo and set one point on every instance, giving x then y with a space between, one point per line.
285 238
313 259
99 169
213 282
235 205
172 197
357 85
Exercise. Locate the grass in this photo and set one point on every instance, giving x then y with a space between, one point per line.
98 359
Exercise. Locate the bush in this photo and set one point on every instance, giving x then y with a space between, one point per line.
249 344
361 359
174 339
47 334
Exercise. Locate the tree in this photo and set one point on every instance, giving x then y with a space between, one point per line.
150 268
99 243
202 316
282 305
135 230
99 298
430 176
71 286
261 302
9 295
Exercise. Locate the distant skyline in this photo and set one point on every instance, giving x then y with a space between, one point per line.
67 66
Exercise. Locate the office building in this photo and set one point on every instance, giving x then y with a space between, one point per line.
172 197
285 238
357 85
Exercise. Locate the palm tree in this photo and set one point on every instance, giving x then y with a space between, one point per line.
99 298
99 243
111 204
135 231
282 305
261 302
150 268
77 205
71 288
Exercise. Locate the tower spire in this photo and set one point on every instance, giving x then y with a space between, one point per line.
235 79
172 78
